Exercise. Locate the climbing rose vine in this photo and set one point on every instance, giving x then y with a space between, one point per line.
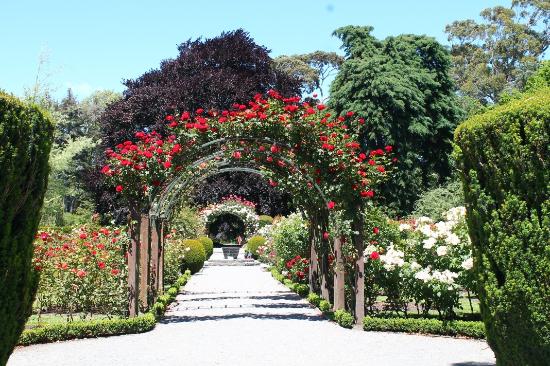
300 147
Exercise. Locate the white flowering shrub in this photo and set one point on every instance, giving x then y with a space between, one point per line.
431 265
236 206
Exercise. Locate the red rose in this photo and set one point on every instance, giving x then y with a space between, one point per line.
380 168
326 235
369 194
237 155
376 230
320 107
349 114
119 188
374 256
115 271
101 265
83 235
331 205
389 148
167 164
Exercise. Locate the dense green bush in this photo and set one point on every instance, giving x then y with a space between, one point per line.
290 236
265 220
504 161
425 326
314 299
25 140
208 245
254 243
185 223
343 318
325 306
194 256
435 202
174 253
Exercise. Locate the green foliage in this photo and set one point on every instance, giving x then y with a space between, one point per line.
426 326
343 318
435 202
325 306
311 69
208 245
25 142
87 329
265 220
314 299
174 253
290 237
540 79
301 289
497 55
401 86
185 223
504 161
254 243
194 257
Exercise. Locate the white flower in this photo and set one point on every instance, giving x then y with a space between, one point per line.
455 214
403 227
429 243
393 258
443 228
370 249
441 251
468 264
452 239
446 276
423 275
424 220
415 266
426 230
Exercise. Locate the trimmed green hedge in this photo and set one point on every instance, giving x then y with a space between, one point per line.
104 327
504 155
426 326
208 245
26 135
343 318
87 329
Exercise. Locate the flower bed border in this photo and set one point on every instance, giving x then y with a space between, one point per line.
454 328
104 327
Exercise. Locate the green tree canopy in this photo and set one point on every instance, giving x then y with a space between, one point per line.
500 53
402 88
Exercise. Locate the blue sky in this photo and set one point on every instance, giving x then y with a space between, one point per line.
96 44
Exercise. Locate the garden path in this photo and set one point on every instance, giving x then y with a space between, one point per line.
239 315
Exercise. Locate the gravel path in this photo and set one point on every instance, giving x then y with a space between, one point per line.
236 315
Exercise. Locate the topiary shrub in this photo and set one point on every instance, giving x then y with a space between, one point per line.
208 245
265 220
25 140
503 155
194 256
254 243
343 318
325 306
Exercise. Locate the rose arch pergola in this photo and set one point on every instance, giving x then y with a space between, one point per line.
296 146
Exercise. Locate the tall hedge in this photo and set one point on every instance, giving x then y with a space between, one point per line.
25 141
504 161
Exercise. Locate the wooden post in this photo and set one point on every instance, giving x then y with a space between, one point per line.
339 283
145 248
155 244
160 282
326 289
358 242
313 260
133 263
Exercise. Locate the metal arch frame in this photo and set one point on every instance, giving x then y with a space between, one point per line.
159 202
